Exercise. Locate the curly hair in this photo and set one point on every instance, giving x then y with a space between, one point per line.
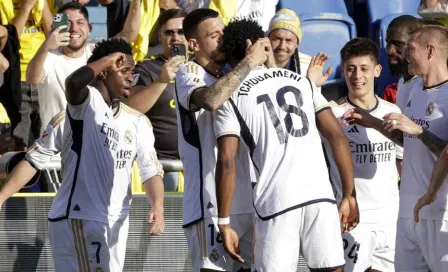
235 35
359 47
109 46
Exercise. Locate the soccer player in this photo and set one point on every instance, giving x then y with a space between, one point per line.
369 247
397 36
420 246
102 137
201 88
276 116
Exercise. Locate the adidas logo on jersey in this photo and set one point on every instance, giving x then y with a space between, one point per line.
409 104
210 205
77 208
354 129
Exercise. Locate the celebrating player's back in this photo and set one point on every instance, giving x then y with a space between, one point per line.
273 114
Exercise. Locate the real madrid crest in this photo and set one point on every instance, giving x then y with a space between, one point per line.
430 108
214 256
128 137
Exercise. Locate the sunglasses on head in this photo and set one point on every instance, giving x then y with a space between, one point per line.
170 32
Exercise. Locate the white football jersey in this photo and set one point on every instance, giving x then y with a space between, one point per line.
197 150
374 162
427 107
98 149
273 112
404 91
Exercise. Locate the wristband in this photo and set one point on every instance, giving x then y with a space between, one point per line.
223 221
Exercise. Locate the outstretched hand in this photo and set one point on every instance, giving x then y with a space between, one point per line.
316 68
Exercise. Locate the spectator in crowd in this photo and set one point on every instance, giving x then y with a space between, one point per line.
285 34
32 20
434 9
9 81
153 93
397 36
64 52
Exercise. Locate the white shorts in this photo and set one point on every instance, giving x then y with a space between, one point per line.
85 245
206 248
369 247
421 246
313 230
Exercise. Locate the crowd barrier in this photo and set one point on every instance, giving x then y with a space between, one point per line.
24 244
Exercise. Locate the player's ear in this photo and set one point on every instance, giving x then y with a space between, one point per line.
378 69
193 44
103 75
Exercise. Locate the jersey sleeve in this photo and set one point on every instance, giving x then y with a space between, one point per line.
189 78
320 102
226 121
147 161
77 111
41 153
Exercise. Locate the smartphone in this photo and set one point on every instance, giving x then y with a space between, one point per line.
178 49
58 20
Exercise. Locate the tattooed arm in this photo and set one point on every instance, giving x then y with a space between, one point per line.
212 97
432 142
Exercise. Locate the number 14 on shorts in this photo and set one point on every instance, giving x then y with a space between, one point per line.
352 250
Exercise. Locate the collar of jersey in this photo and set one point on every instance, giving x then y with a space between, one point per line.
117 113
207 71
355 106
430 88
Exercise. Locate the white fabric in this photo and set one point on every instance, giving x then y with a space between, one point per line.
261 11
305 61
273 111
422 246
428 108
51 89
404 91
374 161
206 247
197 150
366 247
106 153
313 230
84 245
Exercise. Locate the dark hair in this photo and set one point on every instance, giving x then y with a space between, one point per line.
196 17
74 5
235 35
109 46
359 47
164 17
408 22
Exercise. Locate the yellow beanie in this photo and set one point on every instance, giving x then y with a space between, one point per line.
286 19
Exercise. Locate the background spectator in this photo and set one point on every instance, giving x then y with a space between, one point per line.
434 9
154 90
32 19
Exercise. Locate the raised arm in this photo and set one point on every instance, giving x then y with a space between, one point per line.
47 19
35 72
212 97
19 21
132 23
76 90
4 63
331 129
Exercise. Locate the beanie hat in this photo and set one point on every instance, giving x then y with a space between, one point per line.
286 19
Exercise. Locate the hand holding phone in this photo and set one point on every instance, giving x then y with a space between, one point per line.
178 49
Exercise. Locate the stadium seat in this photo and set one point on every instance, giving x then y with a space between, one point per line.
98 19
314 6
327 32
379 9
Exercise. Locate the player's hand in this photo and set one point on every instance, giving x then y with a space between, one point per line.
314 72
401 122
426 199
170 68
116 61
231 242
348 214
4 63
258 52
56 39
357 116
270 61
156 218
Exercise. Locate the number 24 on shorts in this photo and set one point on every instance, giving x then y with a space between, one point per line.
353 253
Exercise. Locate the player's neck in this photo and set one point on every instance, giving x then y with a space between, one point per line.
281 64
73 54
365 102
435 76
209 65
